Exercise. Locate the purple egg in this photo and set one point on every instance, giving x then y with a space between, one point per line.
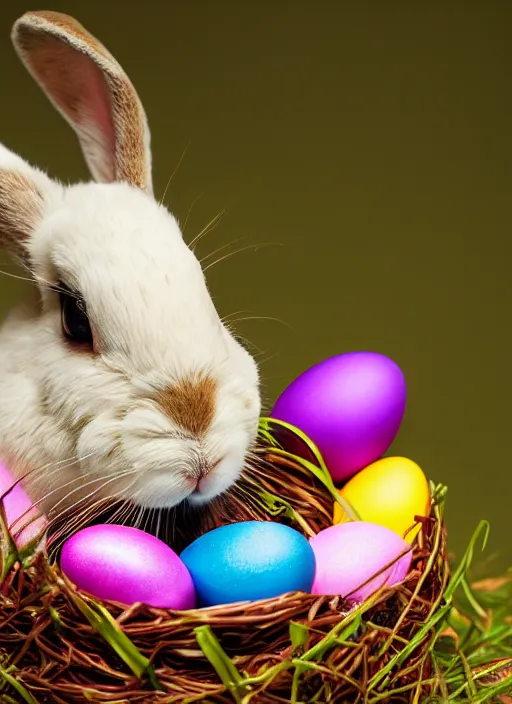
127 565
349 554
351 406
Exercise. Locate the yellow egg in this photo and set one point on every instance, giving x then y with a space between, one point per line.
389 492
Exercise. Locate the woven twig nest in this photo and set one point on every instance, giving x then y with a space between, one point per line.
58 645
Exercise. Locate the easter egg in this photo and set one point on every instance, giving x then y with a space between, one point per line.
127 565
248 561
24 520
351 406
350 557
390 492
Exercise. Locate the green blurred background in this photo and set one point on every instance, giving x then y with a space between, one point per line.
368 145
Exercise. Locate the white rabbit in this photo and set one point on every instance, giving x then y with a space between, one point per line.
118 379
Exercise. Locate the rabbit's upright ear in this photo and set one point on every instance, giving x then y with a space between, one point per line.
25 195
91 91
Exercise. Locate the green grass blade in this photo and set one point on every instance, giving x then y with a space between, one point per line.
397 659
8 551
103 622
320 470
267 424
298 635
10 680
336 636
491 693
277 506
481 530
224 667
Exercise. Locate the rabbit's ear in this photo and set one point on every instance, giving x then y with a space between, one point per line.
25 193
91 91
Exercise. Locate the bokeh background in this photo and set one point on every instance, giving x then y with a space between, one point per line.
366 149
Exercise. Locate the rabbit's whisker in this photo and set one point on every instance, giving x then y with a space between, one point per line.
189 211
158 522
109 480
254 247
33 470
262 317
80 520
17 276
36 504
174 172
35 279
219 249
227 318
88 509
122 513
58 467
211 226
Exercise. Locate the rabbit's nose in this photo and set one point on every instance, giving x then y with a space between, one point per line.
200 469
206 467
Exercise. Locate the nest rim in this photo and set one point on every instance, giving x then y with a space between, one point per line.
211 629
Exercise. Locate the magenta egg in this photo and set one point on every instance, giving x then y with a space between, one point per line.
351 406
127 565
24 520
350 557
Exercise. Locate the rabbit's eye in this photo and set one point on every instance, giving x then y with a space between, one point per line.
75 323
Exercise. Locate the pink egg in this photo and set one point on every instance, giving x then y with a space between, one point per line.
349 554
125 564
24 520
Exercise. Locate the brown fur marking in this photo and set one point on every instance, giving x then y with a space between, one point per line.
21 204
190 404
67 61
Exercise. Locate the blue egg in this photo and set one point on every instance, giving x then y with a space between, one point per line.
249 561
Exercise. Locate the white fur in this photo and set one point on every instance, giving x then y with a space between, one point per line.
84 424
153 322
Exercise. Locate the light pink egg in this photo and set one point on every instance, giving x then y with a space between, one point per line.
24 519
349 554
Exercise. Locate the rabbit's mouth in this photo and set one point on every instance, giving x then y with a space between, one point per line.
167 487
